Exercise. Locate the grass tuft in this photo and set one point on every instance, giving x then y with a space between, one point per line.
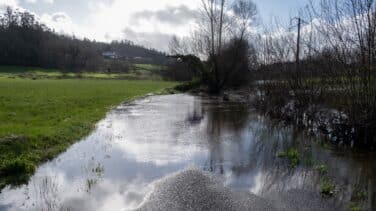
293 155
323 169
327 187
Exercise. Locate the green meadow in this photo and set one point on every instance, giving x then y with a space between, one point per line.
41 118
137 72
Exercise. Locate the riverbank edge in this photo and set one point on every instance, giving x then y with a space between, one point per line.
318 120
18 172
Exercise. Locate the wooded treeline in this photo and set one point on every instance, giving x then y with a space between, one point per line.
25 41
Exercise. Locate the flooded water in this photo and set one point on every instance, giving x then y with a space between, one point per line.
137 144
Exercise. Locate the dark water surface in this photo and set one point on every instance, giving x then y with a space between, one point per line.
144 141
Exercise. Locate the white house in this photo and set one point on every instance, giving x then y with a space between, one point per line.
110 55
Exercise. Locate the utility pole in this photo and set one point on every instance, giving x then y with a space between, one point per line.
297 59
298 48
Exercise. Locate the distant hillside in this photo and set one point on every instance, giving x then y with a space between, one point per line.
129 50
26 42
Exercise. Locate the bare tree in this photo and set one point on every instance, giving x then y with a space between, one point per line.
220 23
349 28
179 46
245 13
213 15
174 45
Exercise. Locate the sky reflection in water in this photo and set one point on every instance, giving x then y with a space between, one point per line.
146 140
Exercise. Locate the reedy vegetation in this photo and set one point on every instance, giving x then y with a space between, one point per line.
337 61
334 58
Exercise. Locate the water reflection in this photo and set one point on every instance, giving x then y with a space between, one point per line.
144 141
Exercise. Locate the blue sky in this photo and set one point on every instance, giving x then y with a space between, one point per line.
147 22
283 9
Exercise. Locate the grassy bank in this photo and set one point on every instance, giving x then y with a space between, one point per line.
41 118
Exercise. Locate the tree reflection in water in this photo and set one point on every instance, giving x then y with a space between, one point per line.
245 145
154 137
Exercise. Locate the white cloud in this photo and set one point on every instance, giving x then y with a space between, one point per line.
149 22
31 1
118 17
62 23
36 1
11 3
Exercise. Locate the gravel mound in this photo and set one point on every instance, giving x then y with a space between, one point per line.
196 190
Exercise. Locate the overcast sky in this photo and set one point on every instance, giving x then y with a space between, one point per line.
147 22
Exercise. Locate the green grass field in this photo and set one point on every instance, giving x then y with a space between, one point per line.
149 67
41 118
140 72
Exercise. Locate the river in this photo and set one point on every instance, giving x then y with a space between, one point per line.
142 142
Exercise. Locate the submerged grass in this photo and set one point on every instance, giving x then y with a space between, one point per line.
357 200
323 169
327 187
293 156
41 118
